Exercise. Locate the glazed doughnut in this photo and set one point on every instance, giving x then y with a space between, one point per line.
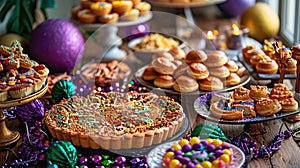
250 51
258 92
198 70
232 79
131 15
181 70
101 8
216 58
291 66
232 66
110 18
267 107
185 84
86 16
75 11
296 52
241 93
220 72
241 71
165 54
135 2
177 62
149 74
85 4
164 81
195 56
256 58
143 7
121 7
163 66
177 53
211 83
222 110
267 66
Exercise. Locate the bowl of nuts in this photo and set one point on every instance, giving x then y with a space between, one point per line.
145 47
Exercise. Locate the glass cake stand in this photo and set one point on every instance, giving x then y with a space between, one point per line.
253 126
8 137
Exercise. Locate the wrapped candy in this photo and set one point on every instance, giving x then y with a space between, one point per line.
63 89
62 153
31 112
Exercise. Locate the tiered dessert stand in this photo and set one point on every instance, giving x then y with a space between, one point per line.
186 6
104 42
8 137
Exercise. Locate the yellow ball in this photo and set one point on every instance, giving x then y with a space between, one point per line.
227 151
194 140
217 142
206 164
209 140
183 142
198 166
176 147
215 163
225 158
174 163
169 155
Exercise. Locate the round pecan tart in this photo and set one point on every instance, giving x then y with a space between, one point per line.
113 120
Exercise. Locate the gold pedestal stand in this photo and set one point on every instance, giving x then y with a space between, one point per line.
8 137
255 129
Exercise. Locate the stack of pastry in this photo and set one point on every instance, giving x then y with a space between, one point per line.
263 60
256 101
109 11
193 71
19 75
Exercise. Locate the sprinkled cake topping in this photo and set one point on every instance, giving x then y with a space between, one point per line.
115 113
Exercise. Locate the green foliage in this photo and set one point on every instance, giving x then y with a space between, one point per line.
22 14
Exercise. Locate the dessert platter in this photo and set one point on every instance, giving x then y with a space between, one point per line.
128 122
144 47
22 80
176 73
194 152
246 106
262 63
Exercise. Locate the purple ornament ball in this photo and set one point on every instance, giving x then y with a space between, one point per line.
31 112
58 44
234 8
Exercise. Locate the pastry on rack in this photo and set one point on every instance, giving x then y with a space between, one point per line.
251 50
220 71
241 93
223 110
267 107
280 92
258 92
267 66
246 106
232 66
